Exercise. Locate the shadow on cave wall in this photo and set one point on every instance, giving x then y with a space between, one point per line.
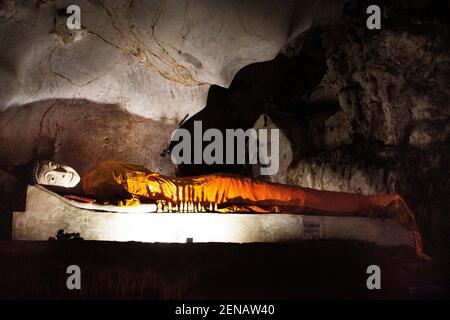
280 88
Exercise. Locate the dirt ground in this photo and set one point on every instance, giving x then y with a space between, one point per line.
306 270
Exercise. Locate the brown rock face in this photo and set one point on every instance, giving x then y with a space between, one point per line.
389 83
393 128
83 133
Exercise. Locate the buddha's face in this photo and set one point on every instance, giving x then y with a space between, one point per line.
54 174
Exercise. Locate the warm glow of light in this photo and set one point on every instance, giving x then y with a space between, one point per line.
176 227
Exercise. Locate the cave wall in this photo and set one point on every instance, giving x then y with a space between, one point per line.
391 132
85 95
155 58
78 133
152 59
362 111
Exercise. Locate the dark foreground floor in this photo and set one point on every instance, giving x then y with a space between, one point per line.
313 269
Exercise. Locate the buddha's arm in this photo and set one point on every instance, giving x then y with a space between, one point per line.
102 182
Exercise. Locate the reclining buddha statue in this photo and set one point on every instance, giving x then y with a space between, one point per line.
129 184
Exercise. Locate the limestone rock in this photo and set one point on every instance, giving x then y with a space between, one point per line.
285 150
153 59
83 133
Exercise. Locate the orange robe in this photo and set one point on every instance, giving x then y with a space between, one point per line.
113 180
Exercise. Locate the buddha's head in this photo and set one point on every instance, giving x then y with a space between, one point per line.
51 173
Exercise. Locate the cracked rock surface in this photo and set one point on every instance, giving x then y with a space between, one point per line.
152 59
